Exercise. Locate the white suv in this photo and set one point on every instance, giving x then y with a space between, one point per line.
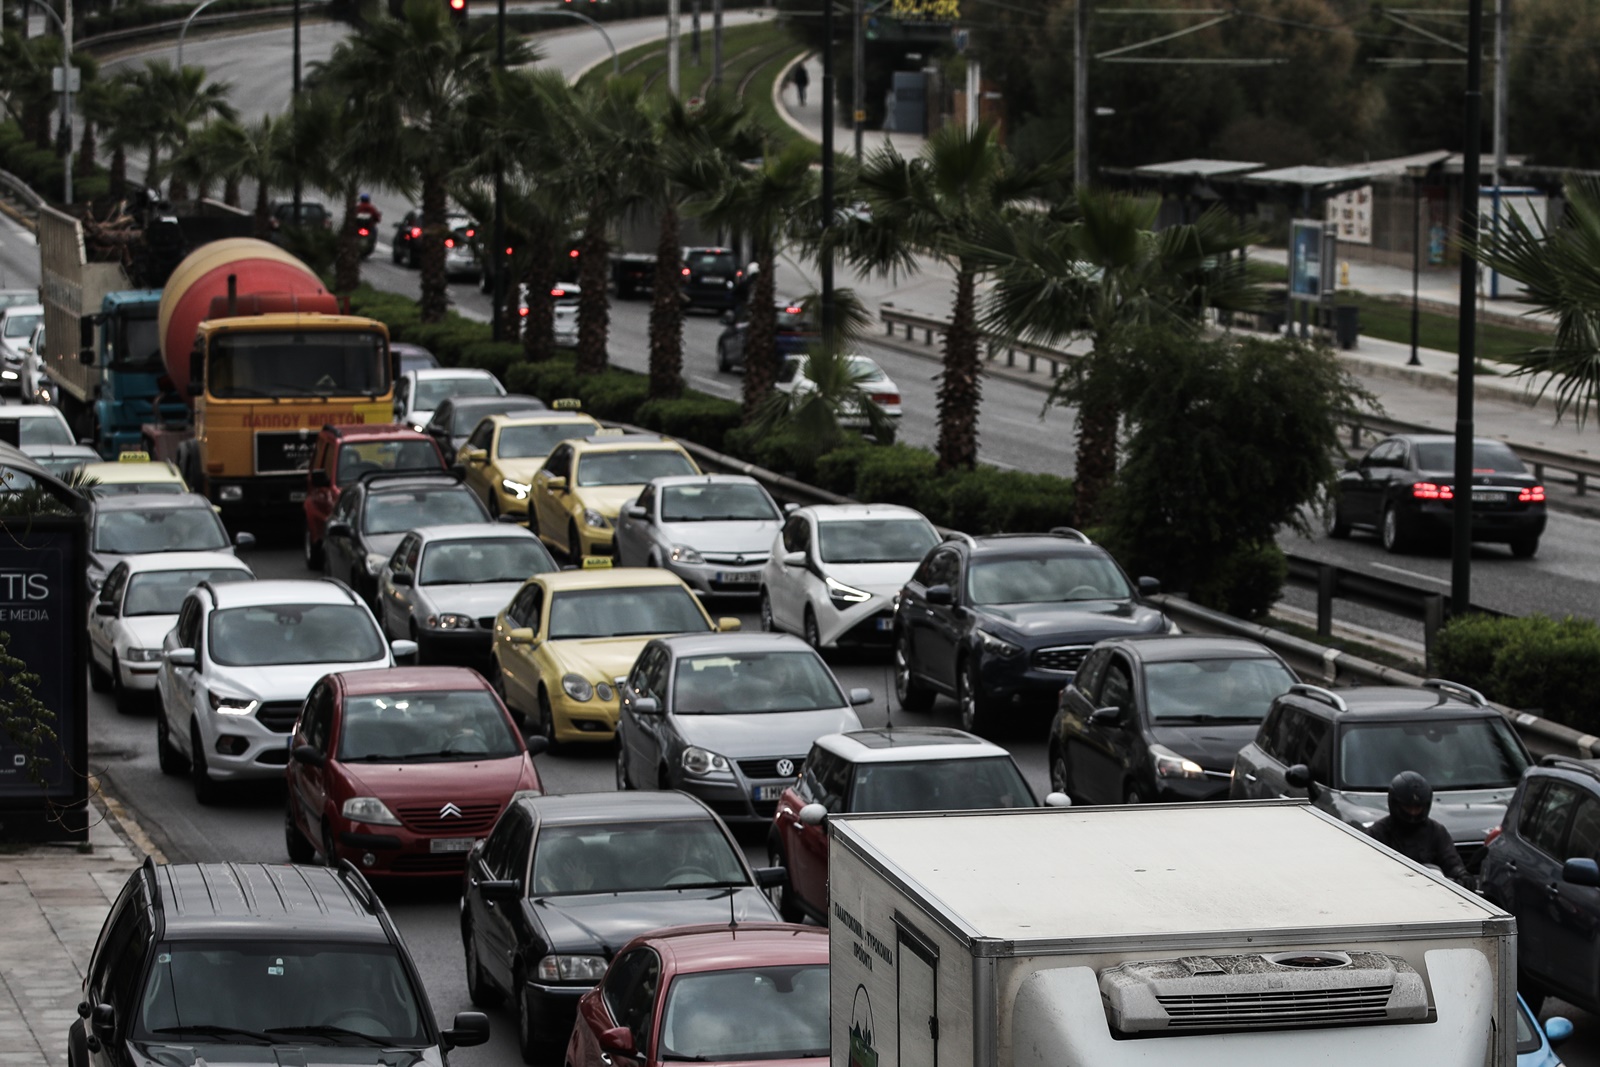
835 570
238 665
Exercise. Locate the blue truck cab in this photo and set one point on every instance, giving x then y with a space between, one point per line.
128 354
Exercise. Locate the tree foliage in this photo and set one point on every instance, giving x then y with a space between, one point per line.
24 720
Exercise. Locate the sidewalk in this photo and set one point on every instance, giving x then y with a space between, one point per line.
807 120
54 899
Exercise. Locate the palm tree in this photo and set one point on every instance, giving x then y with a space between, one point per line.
1560 267
264 159
410 78
1107 276
932 206
172 101
207 154
337 152
108 107
25 82
764 201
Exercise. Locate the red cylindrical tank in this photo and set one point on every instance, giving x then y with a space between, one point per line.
202 277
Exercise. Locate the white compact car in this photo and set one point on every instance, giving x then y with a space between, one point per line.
137 606
712 530
879 387
418 392
17 323
238 665
836 568
39 426
566 326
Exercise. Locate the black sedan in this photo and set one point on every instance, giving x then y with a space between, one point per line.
374 514
457 416
1404 490
999 622
796 333
563 882
711 278
1161 718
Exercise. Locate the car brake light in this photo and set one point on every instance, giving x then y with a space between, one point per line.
449 242
523 312
558 292
362 231
1532 496
472 233
792 311
1430 491
1493 833
416 231
686 272
573 254
884 398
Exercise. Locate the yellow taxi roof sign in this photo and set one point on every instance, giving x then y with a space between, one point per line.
133 456
566 403
596 563
609 431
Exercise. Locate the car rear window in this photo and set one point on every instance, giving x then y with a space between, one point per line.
395 512
711 263
1477 753
1488 457
940 785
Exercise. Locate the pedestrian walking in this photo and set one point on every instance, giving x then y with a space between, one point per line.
801 80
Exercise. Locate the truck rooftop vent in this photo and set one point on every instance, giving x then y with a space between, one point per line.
1262 992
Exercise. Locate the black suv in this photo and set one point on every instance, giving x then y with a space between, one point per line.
204 960
372 516
1541 867
1404 489
711 278
796 333
994 621
1161 718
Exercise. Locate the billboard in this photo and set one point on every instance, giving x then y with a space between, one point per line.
1350 216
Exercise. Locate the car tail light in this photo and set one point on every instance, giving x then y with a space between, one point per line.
558 292
1493 833
1532 496
686 272
523 311
884 398
1430 491
449 242
472 233
363 231
573 254
416 231
792 311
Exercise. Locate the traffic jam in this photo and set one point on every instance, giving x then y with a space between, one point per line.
493 579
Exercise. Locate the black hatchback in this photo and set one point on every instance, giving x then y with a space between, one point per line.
1404 490
711 278
1161 718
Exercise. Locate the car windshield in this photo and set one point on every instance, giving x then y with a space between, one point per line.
10 298
1046 579
1488 457
292 992
503 559
711 263
623 612
44 430
1205 690
161 592
875 540
288 364
940 785
633 466
21 325
276 634
463 724
357 459
634 857
531 442
105 489
750 682
1477 753
715 502
392 512
763 1013
466 416
194 529
430 391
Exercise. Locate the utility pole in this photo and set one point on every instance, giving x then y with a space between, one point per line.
1080 96
67 71
858 92
295 106
674 16
694 33
825 258
1502 89
1466 341
497 258
716 45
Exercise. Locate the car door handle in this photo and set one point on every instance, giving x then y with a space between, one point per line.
1249 777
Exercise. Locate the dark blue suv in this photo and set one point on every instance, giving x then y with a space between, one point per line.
1541 867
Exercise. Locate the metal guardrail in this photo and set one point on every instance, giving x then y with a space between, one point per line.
157 29
911 322
21 190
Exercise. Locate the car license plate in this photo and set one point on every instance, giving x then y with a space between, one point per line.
885 625
297 497
738 577
452 844
1488 498
712 279
769 792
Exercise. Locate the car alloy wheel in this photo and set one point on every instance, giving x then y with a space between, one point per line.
1060 776
1392 532
623 785
167 755
547 718
1134 795
479 990
294 842
527 1044
768 623
206 791
974 710
911 695
813 634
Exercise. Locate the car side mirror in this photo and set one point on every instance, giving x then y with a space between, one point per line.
634 511
1557 1029
320 479
1107 716
337 529
728 624
308 755
556 484
1057 800
402 578
794 559
538 744
941 596
813 815
645 705
790 507
1352 464
618 1039
500 889
475 456
771 877
467 1029
179 657
243 540
1299 777
1149 586
103 1020
859 696
522 635
1581 872
106 608
403 649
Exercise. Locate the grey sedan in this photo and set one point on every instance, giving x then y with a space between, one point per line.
715 531
728 718
444 585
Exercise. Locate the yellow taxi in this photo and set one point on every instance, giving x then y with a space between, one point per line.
134 472
503 452
569 638
580 490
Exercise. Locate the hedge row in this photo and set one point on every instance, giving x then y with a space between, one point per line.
1535 663
984 500
43 170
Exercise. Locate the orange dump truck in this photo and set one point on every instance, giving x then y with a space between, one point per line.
265 358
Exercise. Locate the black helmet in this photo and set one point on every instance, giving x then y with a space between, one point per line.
1410 798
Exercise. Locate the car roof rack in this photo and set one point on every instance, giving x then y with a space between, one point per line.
1317 692
351 875
453 473
1444 685
1068 531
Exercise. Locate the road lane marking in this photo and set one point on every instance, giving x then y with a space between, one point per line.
1413 574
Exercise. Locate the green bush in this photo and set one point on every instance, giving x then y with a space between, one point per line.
496 357
1246 582
551 380
449 338
695 416
1465 650
900 474
838 471
992 501
615 394
1535 663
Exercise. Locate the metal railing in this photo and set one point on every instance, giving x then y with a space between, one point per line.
21 190
994 344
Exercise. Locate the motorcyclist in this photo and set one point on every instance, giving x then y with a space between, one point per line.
1410 832
367 211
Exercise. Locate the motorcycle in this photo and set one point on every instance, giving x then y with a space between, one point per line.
367 234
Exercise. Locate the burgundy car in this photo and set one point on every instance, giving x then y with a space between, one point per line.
402 771
709 994
342 454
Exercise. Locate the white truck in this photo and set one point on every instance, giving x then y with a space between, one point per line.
1200 935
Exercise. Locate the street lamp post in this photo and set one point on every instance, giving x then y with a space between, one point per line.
501 262
1461 511
65 131
295 105
1416 261
825 257
183 31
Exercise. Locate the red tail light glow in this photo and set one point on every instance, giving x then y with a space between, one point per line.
449 242
884 398
523 312
573 253
472 233
792 311
1430 491
686 272
1532 496
363 231
416 231
508 250
558 292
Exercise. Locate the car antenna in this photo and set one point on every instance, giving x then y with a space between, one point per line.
733 917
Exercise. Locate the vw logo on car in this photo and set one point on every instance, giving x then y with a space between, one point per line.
785 768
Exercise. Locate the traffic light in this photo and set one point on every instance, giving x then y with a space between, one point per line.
458 13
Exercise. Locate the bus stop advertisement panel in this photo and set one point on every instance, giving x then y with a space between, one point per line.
44 791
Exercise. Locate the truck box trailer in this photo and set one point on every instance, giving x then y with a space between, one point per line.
1201 935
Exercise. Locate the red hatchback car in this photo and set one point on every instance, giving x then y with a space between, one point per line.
401 771
710 994
343 454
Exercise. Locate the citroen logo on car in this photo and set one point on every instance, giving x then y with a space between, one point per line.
785 768
450 811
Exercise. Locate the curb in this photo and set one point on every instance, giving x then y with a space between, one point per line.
1446 383
126 823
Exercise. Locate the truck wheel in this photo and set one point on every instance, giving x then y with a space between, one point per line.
313 553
